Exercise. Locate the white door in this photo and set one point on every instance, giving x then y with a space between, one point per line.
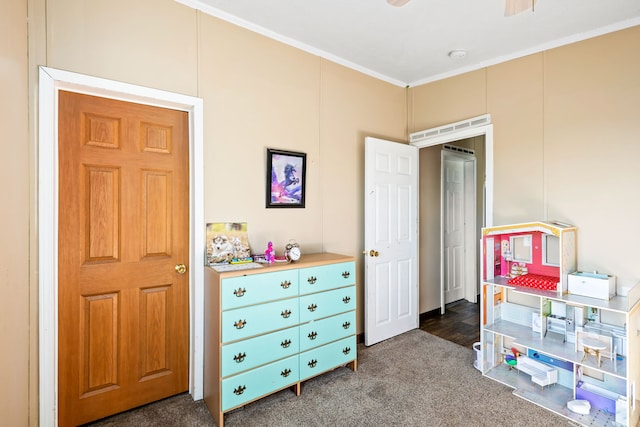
391 239
458 268
453 228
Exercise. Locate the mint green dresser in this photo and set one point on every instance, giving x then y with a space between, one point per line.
270 328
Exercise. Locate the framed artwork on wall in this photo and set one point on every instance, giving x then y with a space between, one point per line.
285 179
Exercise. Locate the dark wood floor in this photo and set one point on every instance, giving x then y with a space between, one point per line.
460 323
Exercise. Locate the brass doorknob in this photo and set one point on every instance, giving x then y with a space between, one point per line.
181 268
373 253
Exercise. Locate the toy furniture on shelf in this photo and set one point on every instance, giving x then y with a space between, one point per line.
557 324
592 285
550 328
595 345
541 373
604 398
591 346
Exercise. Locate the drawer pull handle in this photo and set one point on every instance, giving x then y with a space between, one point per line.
346 274
285 343
312 280
346 300
312 308
346 350
239 358
240 292
312 363
240 389
285 284
312 335
346 325
286 372
286 314
240 324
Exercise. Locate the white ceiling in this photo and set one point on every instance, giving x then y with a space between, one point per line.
410 45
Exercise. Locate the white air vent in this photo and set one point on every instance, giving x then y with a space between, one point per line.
459 149
446 129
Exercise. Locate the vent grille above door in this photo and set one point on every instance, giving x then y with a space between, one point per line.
453 127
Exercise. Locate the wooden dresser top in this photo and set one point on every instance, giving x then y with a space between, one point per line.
307 260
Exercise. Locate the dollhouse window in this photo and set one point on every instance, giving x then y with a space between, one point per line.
521 248
550 250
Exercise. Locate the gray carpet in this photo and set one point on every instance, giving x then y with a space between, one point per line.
415 379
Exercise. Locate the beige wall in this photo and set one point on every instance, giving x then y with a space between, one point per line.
591 148
145 42
14 223
564 115
351 109
565 145
260 93
257 93
447 101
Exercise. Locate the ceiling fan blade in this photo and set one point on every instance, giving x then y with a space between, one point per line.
397 3
513 7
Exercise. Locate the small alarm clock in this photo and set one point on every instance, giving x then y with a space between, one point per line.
292 251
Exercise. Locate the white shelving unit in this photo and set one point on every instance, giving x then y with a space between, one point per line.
549 329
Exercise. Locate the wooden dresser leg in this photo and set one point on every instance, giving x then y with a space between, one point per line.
297 387
353 365
219 419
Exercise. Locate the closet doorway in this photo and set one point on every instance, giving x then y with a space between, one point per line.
449 269
475 135
458 226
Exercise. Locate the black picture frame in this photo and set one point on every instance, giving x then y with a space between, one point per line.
286 179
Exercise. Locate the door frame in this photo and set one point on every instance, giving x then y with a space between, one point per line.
462 130
50 82
469 233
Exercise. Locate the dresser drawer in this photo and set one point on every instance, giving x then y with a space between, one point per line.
257 288
320 278
255 320
242 388
324 304
320 332
249 353
318 360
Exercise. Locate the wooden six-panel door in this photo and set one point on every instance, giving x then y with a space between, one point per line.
123 235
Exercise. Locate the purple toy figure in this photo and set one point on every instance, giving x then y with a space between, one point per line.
269 253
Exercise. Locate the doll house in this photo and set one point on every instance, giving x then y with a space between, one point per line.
575 353
538 255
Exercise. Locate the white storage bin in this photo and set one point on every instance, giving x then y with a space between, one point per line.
592 285
477 363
